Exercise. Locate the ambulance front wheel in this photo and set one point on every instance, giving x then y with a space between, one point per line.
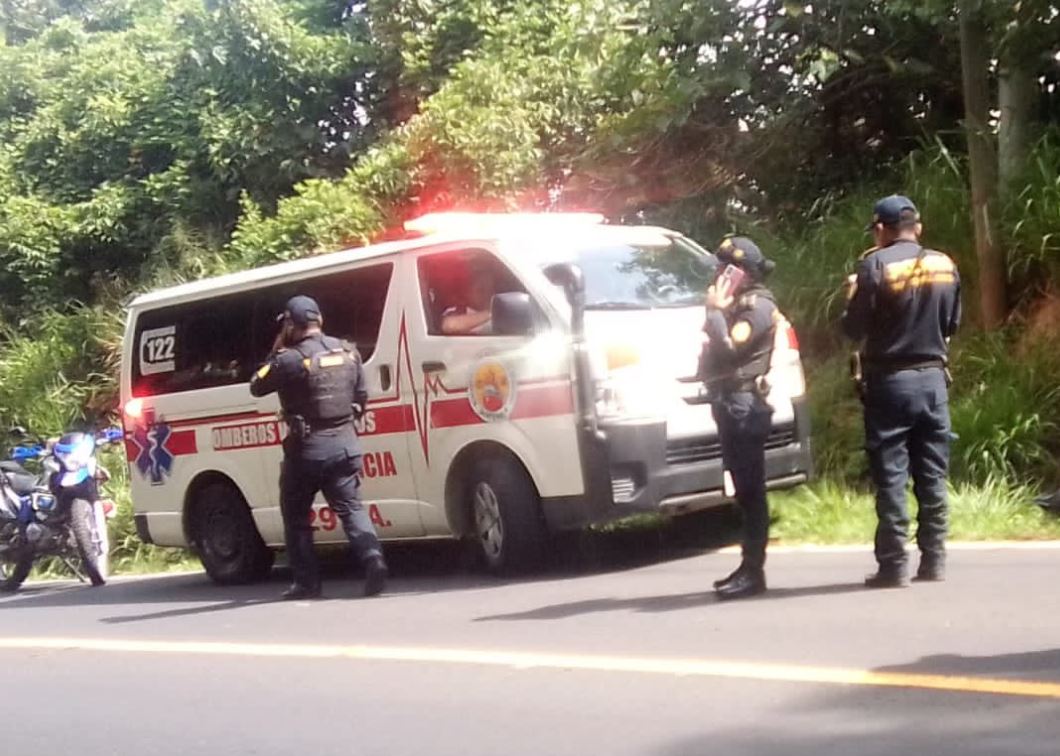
228 542
509 529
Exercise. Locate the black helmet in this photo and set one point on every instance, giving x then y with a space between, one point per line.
745 254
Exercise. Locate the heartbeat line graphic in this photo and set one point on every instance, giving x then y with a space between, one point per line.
432 387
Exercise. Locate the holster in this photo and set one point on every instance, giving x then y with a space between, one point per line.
298 426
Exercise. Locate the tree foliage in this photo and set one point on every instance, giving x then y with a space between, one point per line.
146 141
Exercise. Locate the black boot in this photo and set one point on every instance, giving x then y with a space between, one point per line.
747 581
888 576
728 578
930 570
375 574
299 592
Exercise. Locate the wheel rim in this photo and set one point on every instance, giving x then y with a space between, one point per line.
222 534
488 522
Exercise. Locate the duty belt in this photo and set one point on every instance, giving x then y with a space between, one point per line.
895 364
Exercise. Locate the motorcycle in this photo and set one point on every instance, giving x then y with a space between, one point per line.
56 511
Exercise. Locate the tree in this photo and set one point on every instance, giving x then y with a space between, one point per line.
982 162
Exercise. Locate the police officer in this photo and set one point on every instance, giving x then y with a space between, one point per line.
321 386
904 305
740 326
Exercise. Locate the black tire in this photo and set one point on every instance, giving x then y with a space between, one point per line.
509 529
83 525
14 573
226 538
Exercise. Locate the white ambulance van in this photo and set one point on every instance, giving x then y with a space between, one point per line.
575 402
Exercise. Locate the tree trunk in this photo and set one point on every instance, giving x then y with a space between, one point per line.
975 62
1018 102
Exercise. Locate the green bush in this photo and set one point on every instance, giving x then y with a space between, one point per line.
1031 214
57 369
1005 406
814 259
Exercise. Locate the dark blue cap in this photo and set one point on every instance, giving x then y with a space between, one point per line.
894 210
302 310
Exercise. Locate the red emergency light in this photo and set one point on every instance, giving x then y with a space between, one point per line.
464 222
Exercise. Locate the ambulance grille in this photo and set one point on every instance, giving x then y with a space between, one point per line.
686 451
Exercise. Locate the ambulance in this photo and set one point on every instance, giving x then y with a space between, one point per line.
573 399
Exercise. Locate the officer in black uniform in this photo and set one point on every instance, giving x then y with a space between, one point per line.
740 326
904 304
321 387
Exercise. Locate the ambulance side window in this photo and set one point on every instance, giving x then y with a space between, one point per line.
193 346
456 289
351 301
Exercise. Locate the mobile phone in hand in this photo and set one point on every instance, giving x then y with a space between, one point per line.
729 280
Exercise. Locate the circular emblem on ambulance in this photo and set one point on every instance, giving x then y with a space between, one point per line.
492 391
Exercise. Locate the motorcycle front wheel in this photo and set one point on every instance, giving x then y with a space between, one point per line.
83 524
102 539
14 569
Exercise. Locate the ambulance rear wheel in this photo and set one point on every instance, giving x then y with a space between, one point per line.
229 544
509 530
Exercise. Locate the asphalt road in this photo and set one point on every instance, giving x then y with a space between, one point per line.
620 659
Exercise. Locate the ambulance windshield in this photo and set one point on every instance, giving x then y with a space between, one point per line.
633 276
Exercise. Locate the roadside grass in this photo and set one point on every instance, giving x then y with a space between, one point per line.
828 513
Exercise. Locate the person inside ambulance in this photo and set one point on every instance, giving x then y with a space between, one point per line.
472 315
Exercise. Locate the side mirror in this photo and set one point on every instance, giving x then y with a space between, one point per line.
572 279
112 435
512 314
568 276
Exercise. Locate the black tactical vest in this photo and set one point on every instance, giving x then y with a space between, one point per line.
330 382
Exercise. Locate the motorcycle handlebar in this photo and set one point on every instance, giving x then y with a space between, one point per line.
22 453
27 451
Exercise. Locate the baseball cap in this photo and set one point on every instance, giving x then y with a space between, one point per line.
744 253
301 310
893 210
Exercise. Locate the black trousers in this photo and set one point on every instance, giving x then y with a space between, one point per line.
339 477
743 421
907 431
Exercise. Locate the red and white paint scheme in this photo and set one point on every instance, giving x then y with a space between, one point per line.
499 434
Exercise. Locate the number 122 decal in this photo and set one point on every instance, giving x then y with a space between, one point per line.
158 350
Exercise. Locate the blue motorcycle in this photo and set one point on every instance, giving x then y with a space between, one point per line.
55 509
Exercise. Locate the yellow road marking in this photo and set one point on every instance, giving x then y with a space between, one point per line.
534 660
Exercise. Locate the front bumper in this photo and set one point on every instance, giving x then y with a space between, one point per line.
646 473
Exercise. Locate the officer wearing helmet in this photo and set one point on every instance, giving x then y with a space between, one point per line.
742 317
321 386
904 305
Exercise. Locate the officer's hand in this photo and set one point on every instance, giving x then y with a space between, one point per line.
718 300
278 342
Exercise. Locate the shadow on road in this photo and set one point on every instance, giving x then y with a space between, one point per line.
1039 665
667 603
416 567
876 721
